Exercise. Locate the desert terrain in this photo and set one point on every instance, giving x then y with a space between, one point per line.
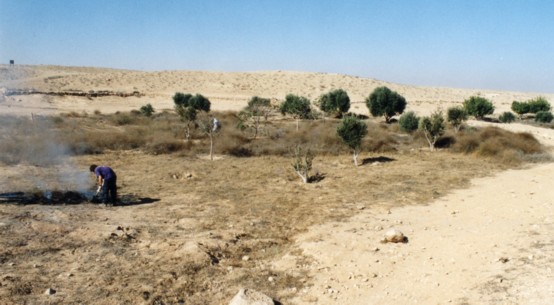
194 231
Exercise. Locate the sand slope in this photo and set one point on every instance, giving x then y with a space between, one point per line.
227 91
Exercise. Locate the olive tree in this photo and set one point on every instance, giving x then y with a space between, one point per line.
352 130
147 110
256 109
408 121
187 106
384 102
520 108
302 164
478 107
335 103
210 127
297 106
538 104
456 117
432 127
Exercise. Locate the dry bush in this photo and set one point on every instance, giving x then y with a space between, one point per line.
494 142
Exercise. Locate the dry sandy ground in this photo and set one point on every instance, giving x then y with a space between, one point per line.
489 244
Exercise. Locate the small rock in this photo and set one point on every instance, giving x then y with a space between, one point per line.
246 258
271 279
394 236
503 260
251 297
50 291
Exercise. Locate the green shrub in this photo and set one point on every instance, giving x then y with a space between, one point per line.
432 127
408 122
538 104
297 106
456 116
543 117
507 117
147 110
520 108
478 107
384 102
352 130
335 103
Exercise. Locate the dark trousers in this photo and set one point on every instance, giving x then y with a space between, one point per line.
109 191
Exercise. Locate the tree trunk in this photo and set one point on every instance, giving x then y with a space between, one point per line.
355 157
211 146
303 177
297 122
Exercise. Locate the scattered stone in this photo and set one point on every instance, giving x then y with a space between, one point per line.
50 291
394 236
503 260
378 228
251 297
246 258
271 279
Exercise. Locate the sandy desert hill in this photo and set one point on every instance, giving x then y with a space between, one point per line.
226 90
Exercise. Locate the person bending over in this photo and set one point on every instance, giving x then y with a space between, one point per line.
107 181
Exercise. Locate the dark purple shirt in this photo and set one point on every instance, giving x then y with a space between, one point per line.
105 172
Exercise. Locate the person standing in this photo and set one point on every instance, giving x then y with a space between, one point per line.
107 181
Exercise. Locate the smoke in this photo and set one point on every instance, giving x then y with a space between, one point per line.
37 143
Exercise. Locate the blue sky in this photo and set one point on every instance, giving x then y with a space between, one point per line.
483 44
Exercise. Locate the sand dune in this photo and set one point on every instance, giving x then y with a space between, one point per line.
226 90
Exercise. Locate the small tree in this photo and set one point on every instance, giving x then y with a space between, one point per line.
303 163
352 130
520 108
409 121
209 127
335 103
147 110
456 117
538 104
297 106
507 117
257 108
187 106
432 127
543 117
384 102
478 107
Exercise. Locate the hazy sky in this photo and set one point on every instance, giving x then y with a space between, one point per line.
486 44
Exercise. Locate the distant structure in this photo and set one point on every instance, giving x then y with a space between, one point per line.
12 62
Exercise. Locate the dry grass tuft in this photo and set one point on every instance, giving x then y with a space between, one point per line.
493 142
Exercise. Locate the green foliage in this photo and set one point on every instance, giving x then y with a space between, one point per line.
520 108
303 162
544 117
335 102
384 102
257 105
297 106
147 110
507 117
432 127
538 104
409 121
478 107
352 130
456 117
187 106
197 102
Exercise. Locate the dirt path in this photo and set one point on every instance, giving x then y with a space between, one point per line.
489 244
